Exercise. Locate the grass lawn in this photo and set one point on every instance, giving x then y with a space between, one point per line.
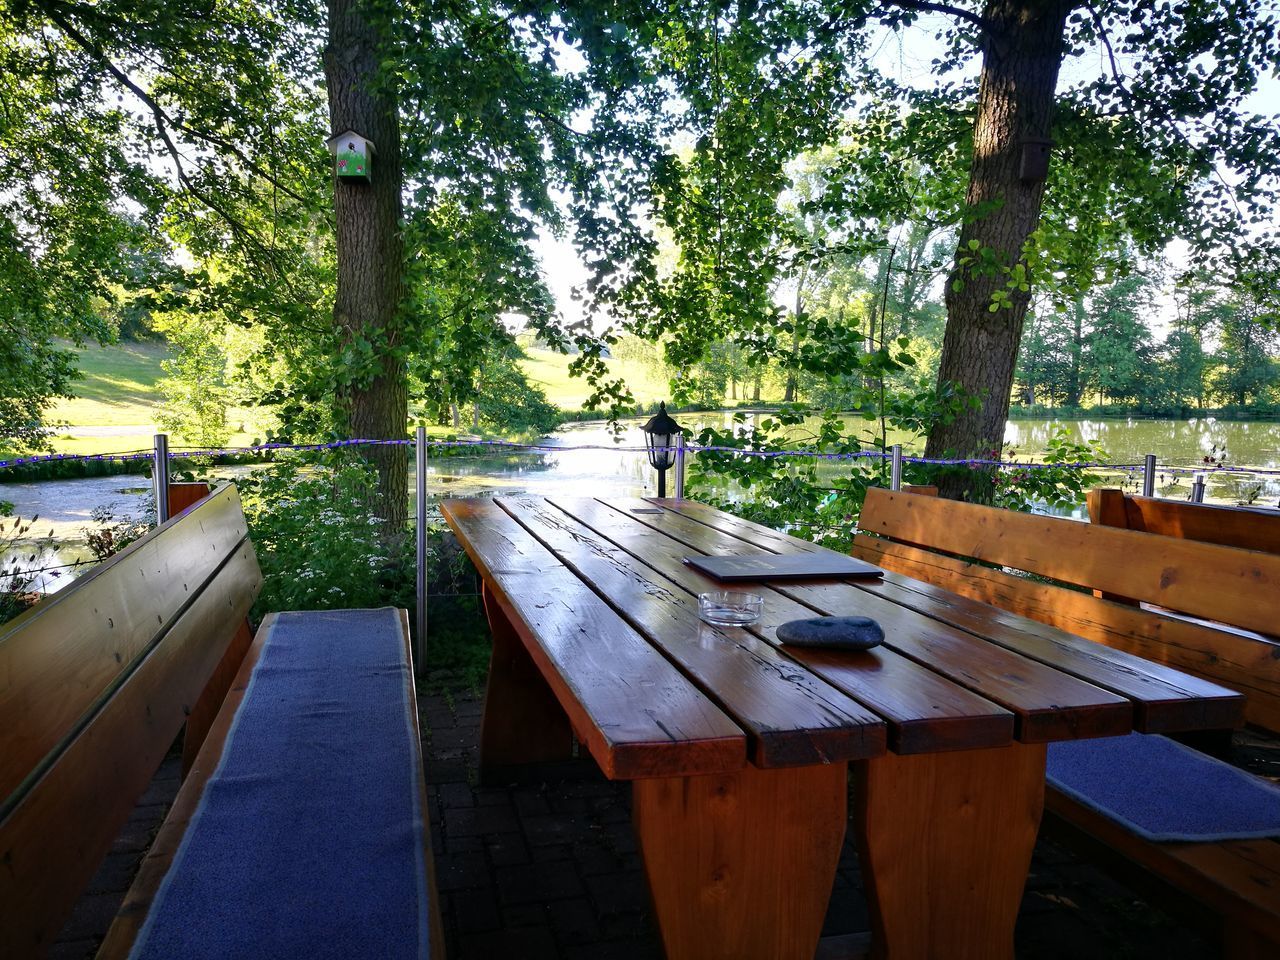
117 386
117 389
550 371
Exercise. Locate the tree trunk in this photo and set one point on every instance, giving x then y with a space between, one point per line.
1077 350
1022 53
370 254
755 387
790 391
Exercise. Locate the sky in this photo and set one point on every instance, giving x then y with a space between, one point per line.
906 55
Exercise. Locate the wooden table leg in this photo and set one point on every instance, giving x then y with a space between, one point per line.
945 843
741 865
523 723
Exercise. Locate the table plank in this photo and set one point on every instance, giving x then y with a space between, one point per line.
791 717
1048 704
634 711
925 712
1165 699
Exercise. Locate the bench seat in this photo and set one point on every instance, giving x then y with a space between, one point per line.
1197 606
310 786
98 680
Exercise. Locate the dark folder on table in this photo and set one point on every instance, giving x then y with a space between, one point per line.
800 566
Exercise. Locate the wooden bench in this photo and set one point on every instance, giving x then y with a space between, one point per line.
96 682
1246 527
1202 607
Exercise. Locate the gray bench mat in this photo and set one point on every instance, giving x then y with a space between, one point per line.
1164 791
308 840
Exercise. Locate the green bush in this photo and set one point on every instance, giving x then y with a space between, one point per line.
317 540
1057 487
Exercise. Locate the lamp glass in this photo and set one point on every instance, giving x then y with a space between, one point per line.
660 437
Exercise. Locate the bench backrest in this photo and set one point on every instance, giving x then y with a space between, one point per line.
96 682
1249 528
985 553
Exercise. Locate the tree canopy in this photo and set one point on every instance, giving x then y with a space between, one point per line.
748 183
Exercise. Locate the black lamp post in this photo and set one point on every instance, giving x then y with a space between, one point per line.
660 437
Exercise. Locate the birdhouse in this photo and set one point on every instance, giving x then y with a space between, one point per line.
353 155
1034 165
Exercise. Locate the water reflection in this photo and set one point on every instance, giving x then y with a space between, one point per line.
1176 443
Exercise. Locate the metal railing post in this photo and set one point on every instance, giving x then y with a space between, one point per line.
895 468
680 455
1197 488
160 476
1149 476
420 620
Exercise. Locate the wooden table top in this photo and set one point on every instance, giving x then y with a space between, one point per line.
608 609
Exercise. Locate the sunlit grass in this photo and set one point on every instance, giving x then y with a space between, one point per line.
550 371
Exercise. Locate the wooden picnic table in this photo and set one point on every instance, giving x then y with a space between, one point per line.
739 747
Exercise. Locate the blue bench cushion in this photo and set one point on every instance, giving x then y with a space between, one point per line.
308 840
1164 791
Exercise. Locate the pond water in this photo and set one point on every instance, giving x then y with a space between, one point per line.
65 506
1176 443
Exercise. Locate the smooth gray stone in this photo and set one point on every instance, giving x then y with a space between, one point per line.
845 633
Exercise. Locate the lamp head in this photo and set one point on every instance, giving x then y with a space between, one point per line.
660 438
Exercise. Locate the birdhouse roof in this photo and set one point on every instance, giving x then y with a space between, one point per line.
337 138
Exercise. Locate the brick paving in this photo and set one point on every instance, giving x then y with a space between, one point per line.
548 868
102 898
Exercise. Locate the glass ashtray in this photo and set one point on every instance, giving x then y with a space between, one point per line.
730 607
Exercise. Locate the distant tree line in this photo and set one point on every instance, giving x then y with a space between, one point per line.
1219 349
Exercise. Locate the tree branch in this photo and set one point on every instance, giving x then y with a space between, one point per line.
1118 77
924 6
161 115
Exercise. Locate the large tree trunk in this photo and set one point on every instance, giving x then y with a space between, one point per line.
370 253
1022 53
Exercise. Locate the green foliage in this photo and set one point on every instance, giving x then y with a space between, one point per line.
815 499
138 127
708 160
110 533
195 389
1221 350
1059 487
317 542
1118 352
510 404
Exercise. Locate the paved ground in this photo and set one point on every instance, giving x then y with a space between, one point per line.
93 914
549 869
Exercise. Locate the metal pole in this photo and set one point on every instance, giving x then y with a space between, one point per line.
160 477
420 624
895 469
680 466
662 484
1149 476
1197 488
